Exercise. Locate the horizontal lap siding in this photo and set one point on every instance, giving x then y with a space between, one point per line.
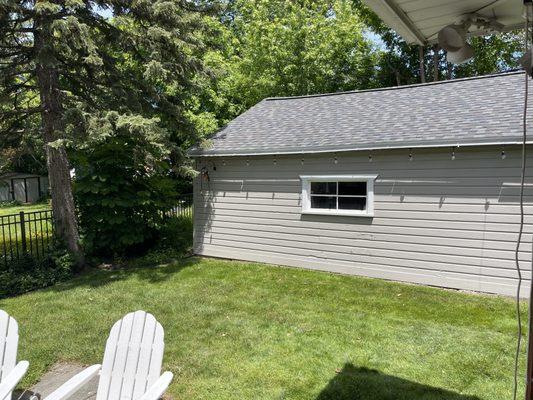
438 221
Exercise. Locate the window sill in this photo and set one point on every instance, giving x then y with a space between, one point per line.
338 213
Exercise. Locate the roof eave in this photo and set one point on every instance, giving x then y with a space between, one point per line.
353 149
395 17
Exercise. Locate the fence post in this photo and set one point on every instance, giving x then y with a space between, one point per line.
23 230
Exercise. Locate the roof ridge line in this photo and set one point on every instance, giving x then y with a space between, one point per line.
449 81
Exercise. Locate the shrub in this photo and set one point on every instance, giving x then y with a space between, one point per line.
174 242
26 274
122 185
10 203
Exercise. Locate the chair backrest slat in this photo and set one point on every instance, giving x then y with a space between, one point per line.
157 356
145 355
133 357
9 339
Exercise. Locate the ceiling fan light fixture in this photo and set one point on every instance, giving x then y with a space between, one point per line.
452 37
464 54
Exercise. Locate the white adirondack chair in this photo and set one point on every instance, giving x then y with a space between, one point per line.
131 369
10 372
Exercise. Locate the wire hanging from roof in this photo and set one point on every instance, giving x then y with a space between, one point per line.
522 182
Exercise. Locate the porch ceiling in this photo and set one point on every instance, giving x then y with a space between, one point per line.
419 21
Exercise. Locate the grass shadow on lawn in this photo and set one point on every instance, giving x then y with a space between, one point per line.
356 383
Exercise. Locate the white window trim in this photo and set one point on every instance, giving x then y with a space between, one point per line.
306 194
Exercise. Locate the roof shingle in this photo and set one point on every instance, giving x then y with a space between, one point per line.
473 111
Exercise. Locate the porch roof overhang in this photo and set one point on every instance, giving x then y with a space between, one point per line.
419 21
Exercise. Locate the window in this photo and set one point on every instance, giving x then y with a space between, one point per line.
338 195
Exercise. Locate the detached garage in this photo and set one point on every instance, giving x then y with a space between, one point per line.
415 183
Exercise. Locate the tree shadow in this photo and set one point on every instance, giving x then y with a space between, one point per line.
357 383
151 274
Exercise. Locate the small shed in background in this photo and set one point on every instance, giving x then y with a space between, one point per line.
26 188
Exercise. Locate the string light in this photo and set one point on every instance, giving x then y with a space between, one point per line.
453 153
223 162
410 155
504 156
302 161
275 161
248 163
370 158
335 160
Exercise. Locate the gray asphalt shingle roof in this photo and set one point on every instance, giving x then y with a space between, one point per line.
474 111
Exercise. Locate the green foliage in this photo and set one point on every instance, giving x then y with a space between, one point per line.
63 65
9 203
177 234
493 53
22 151
27 273
122 183
281 48
303 47
174 243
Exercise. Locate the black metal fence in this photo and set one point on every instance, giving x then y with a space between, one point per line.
25 234
31 233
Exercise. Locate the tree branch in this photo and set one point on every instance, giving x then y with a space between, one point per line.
29 111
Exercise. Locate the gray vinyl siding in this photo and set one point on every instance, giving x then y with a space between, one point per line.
438 221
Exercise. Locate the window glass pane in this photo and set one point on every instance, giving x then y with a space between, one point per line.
352 203
352 188
327 202
323 187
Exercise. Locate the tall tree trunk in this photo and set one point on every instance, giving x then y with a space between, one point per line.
398 79
65 223
436 62
421 52
449 71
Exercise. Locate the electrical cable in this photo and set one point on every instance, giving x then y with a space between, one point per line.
521 227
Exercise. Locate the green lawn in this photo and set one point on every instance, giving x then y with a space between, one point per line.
8 210
250 331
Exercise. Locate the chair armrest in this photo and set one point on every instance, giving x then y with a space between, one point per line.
74 384
13 378
155 391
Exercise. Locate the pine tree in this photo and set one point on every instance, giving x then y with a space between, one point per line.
65 62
